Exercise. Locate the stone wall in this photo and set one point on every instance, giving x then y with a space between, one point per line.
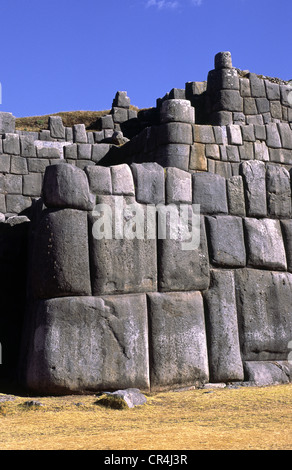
106 312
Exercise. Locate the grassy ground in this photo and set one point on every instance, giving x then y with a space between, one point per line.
246 418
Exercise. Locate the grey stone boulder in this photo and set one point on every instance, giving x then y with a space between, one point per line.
209 190
235 196
121 100
181 266
149 183
79 134
264 314
60 260
99 178
56 127
177 110
123 253
264 373
226 241
264 244
120 399
7 123
178 186
253 173
92 344
225 362
66 186
178 348
122 180
278 191
223 60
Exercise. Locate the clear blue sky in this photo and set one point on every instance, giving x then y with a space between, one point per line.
66 55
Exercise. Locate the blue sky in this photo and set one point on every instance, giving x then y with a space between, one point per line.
66 55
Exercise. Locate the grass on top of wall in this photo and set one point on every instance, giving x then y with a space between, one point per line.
246 418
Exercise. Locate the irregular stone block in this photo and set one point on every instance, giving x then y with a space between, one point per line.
285 90
223 169
198 160
99 151
16 203
223 79
122 399
212 151
175 133
286 226
229 100
10 184
119 115
234 134
173 155
249 106
67 186
121 100
177 110
235 196
248 134
285 135
84 151
178 186
264 244
278 191
273 90
263 373
70 152
2 207
209 190
261 151
177 94
149 183
223 60
7 123
254 178
257 86
260 132
79 133
18 165
182 266
226 241
5 163
280 155
232 153
122 180
263 105
99 178
60 260
178 348
244 87
88 343
225 362
203 134
264 314
276 109
273 137
32 184
27 147
11 144
56 127
37 165
106 122
221 118
122 247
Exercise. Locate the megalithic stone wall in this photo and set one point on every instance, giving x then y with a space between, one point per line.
111 303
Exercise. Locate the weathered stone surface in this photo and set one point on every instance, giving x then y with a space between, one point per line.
121 100
149 183
285 132
84 151
264 313
254 179
286 226
257 86
18 165
60 259
99 178
226 241
203 134
27 147
248 133
128 398
173 155
229 100
32 184
7 123
225 362
88 343
273 137
177 110
265 247
122 180
16 203
178 186
209 190
278 191
56 127
178 349
175 133
79 133
198 160
261 151
235 196
223 79
5 163
11 144
99 151
273 90
263 373
67 186
180 266
234 134
223 60
123 256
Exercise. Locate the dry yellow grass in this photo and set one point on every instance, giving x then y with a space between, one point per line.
228 419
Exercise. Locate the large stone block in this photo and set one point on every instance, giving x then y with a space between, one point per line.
177 110
223 79
198 160
178 186
273 136
79 133
264 244
80 344
254 178
209 190
149 183
263 373
122 247
229 100
225 362
56 127
32 184
173 155
178 349
11 144
257 86
27 147
175 133
180 265
100 179
60 259
278 191
226 241
121 100
203 134
235 196
122 180
264 313
223 60
7 123
67 186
